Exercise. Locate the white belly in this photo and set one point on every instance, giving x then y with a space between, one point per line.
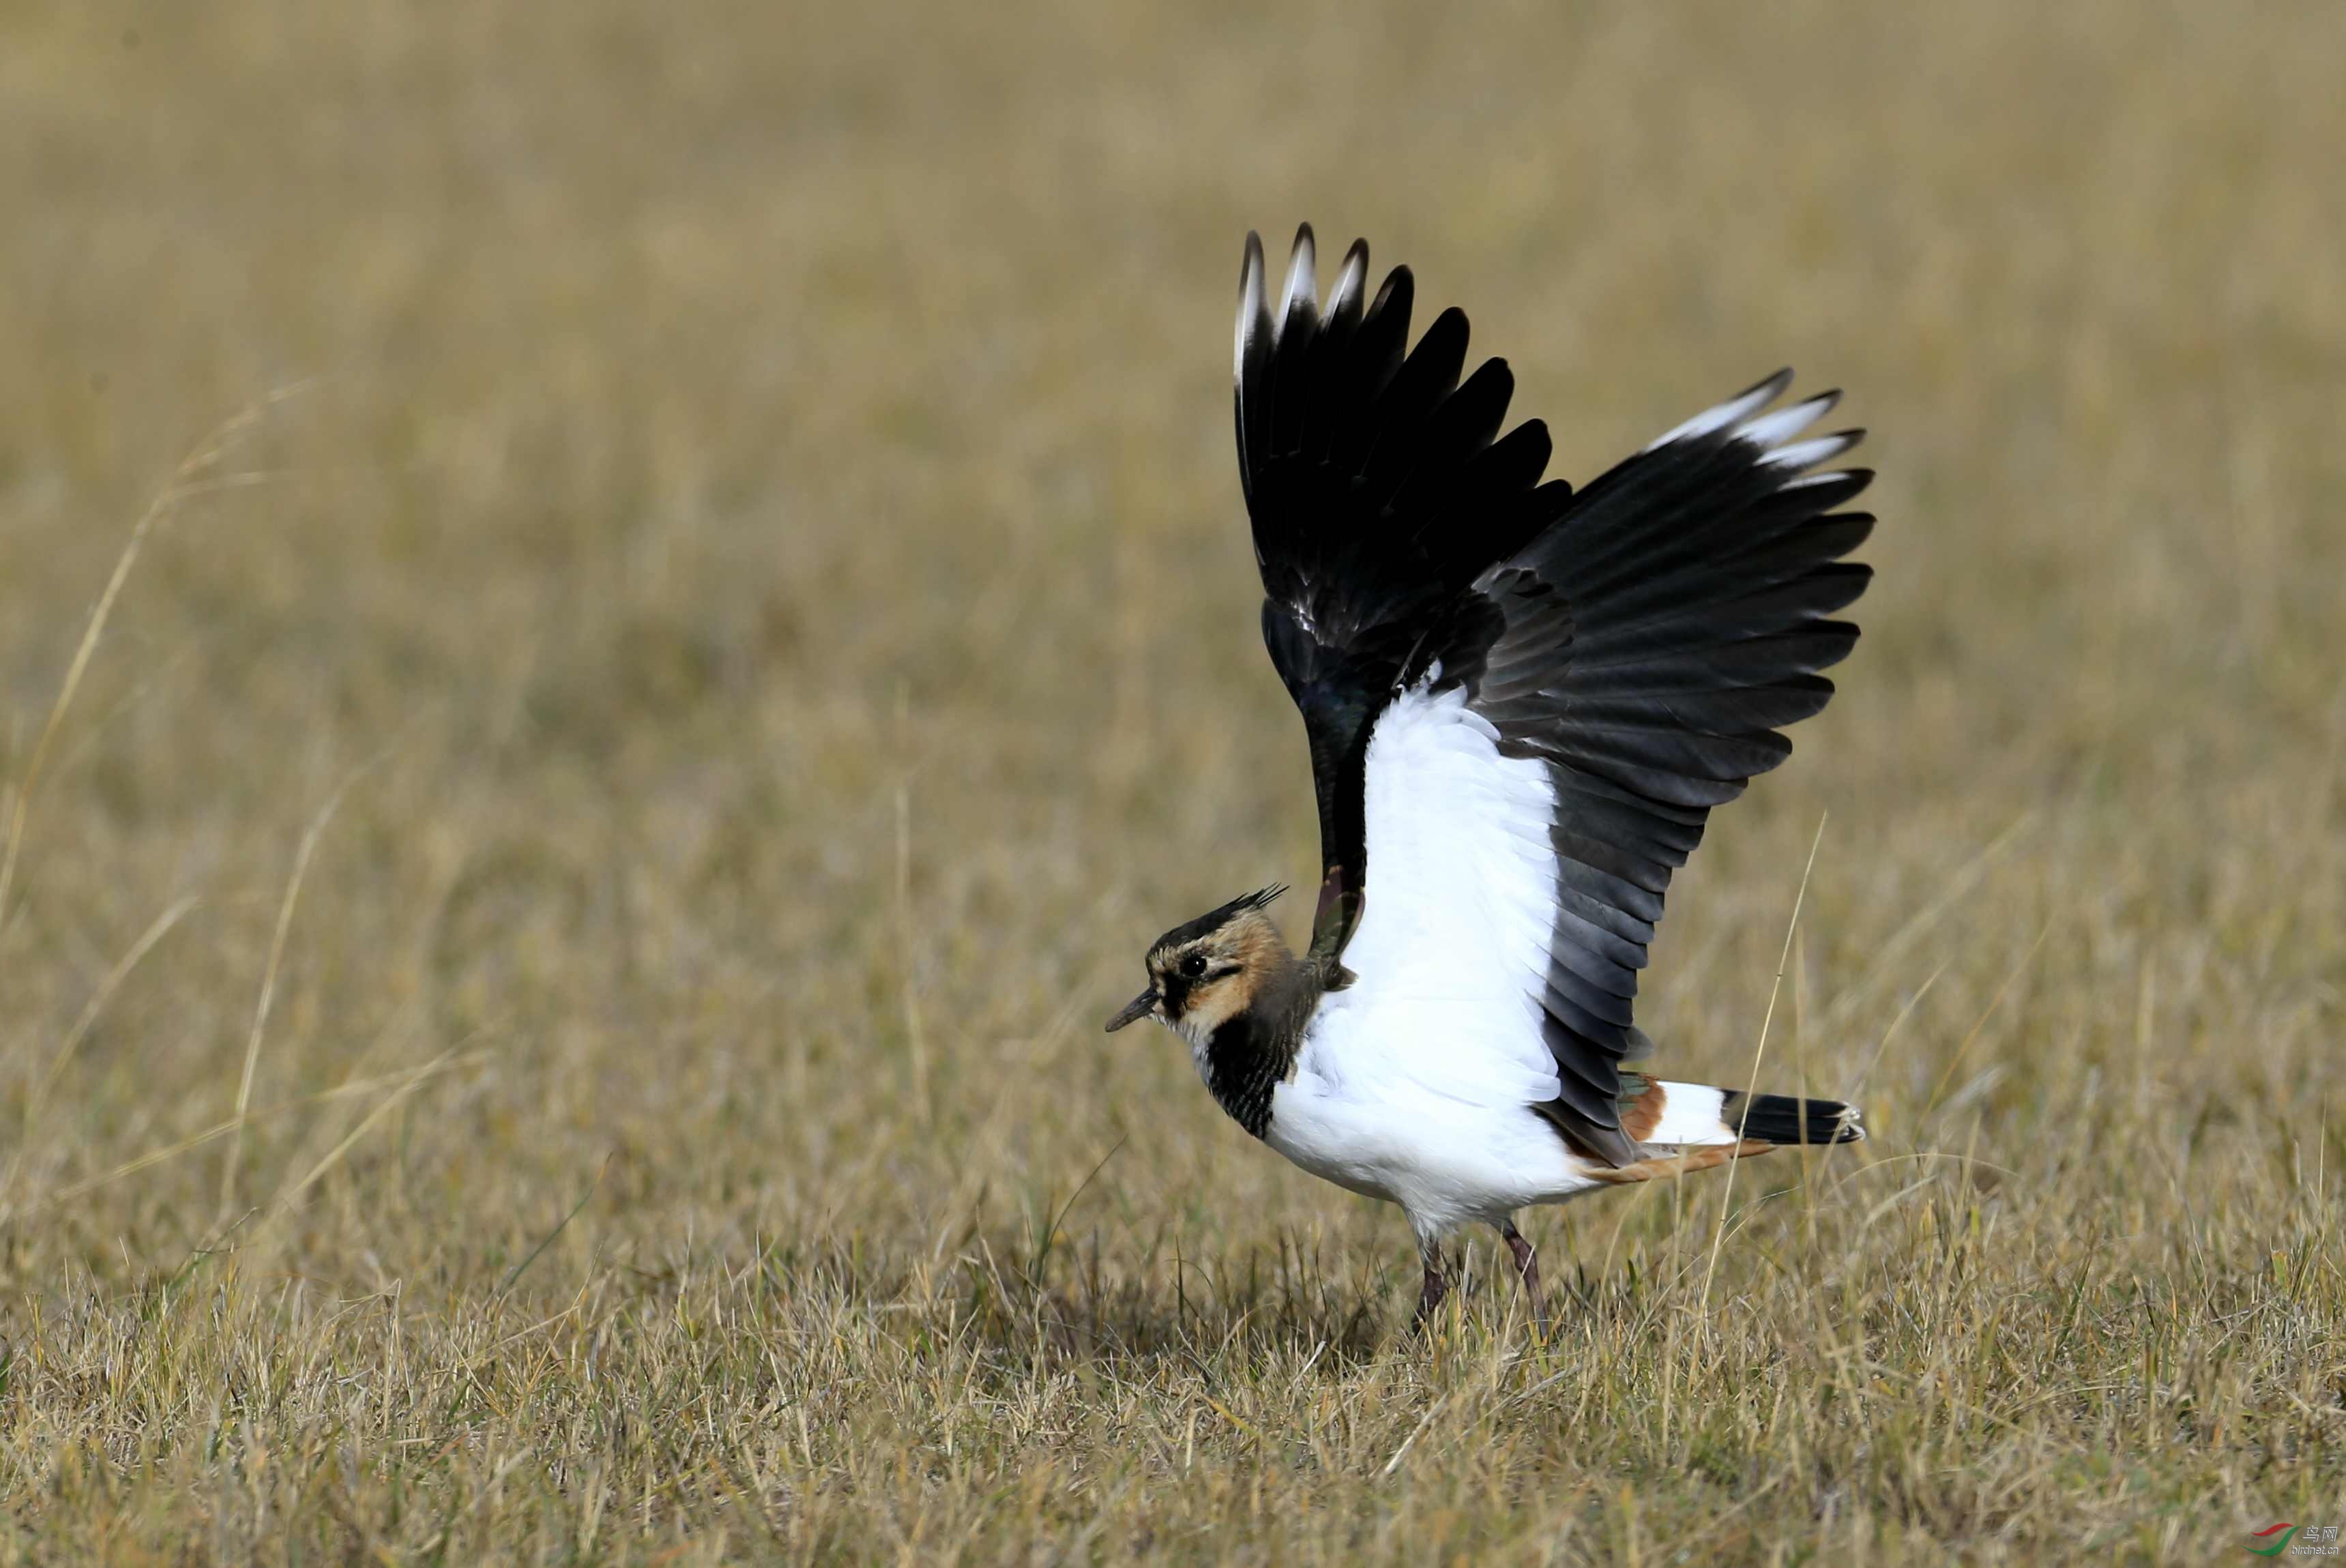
1447 1162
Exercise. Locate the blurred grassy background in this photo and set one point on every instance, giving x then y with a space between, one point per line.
755 548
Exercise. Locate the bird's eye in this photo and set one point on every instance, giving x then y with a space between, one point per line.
1193 964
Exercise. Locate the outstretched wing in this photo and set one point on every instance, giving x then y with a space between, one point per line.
1379 490
1522 704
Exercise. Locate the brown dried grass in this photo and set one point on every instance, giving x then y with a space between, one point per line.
761 567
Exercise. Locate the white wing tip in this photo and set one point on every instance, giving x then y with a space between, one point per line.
1743 418
1772 429
1809 453
1734 411
1249 301
1303 277
1300 290
1351 279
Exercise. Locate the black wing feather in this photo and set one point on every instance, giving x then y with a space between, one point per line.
1377 495
1646 638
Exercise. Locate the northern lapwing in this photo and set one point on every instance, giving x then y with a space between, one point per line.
1522 702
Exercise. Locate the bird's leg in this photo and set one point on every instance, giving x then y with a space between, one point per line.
1435 1287
1527 1268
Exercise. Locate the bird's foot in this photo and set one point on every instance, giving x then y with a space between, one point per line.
1527 1269
1430 1295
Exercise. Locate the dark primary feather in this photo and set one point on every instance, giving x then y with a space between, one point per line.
1700 581
1377 495
1646 638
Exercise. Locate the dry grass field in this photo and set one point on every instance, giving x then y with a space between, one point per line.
693 617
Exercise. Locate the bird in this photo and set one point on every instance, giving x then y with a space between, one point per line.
1522 702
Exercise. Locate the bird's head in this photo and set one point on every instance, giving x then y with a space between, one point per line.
1205 972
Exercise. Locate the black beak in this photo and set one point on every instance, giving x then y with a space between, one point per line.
1138 1008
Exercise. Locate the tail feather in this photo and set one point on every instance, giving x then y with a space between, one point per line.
1696 1115
1788 1119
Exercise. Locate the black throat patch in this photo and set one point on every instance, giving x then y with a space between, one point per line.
1246 1059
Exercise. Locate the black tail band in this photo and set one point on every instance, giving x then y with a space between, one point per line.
1785 1119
